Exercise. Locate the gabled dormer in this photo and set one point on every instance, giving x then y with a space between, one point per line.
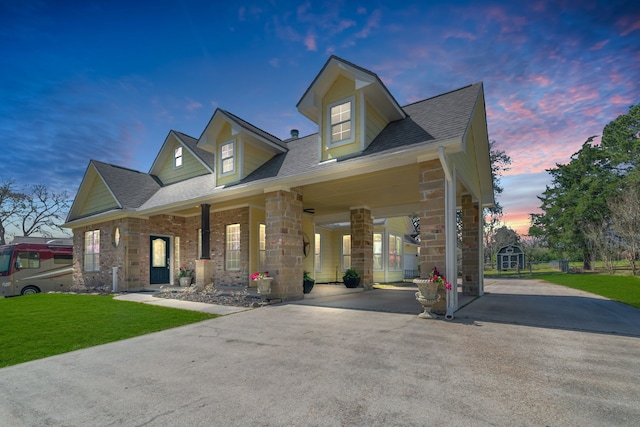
239 147
350 105
180 159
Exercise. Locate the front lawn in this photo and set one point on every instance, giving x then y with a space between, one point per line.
42 325
625 289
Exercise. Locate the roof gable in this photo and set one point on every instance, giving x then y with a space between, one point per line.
107 187
208 139
195 161
310 105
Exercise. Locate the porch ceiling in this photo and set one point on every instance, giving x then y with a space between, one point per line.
380 190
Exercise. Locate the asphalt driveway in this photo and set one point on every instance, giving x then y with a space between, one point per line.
509 358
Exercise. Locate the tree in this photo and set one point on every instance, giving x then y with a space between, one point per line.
37 211
577 201
11 202
625 222
500 163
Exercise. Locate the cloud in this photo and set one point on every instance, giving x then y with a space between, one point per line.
193 105
310 42
373 22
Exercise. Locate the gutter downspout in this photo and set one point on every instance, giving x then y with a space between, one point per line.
450 235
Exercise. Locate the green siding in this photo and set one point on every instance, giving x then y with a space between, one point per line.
191 166
374 124
99 199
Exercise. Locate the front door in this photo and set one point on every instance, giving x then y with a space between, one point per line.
159 254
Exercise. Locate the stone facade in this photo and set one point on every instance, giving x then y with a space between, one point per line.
432 218
362 245
219 222
284 238
470 246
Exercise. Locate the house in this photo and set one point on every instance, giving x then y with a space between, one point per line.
238 200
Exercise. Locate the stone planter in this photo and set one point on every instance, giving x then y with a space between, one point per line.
264 285
185 281
427 295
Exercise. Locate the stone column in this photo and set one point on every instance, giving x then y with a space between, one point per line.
133 248
470 247
432 218
284 240
362 245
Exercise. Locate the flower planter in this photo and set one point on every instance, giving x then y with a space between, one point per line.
264 285
427 295
185 281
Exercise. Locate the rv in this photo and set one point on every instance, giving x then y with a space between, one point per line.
29 268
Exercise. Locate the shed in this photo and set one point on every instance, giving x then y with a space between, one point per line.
510 257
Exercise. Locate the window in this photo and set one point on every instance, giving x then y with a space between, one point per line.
395 252
340 123
233 247
92 250
227 157
28 260
262 247
346 251
377 251
66 259
177 157
316 253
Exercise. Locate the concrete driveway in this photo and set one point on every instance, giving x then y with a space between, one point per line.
500 362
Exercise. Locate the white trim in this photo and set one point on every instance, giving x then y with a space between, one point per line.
220 159
363 127
450 241
352 116
175 156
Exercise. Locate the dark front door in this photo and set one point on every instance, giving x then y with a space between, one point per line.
159 256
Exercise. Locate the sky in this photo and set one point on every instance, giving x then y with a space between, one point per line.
108 80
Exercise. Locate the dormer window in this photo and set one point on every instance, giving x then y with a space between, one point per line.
177 157
340 121
227 157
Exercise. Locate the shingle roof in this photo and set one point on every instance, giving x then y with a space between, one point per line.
430 121
256 130
130 187
182 191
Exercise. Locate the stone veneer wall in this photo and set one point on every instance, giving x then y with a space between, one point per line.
432 218
362 245
110 256
470 247
284 235
218 223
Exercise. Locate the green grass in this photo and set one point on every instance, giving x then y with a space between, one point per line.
625 289
43 325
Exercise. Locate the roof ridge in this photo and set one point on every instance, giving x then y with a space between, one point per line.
442 94
250 124
117 166
183 134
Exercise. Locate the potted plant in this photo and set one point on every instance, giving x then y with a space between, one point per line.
263 281
307 282
351 278
184 276
427 294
